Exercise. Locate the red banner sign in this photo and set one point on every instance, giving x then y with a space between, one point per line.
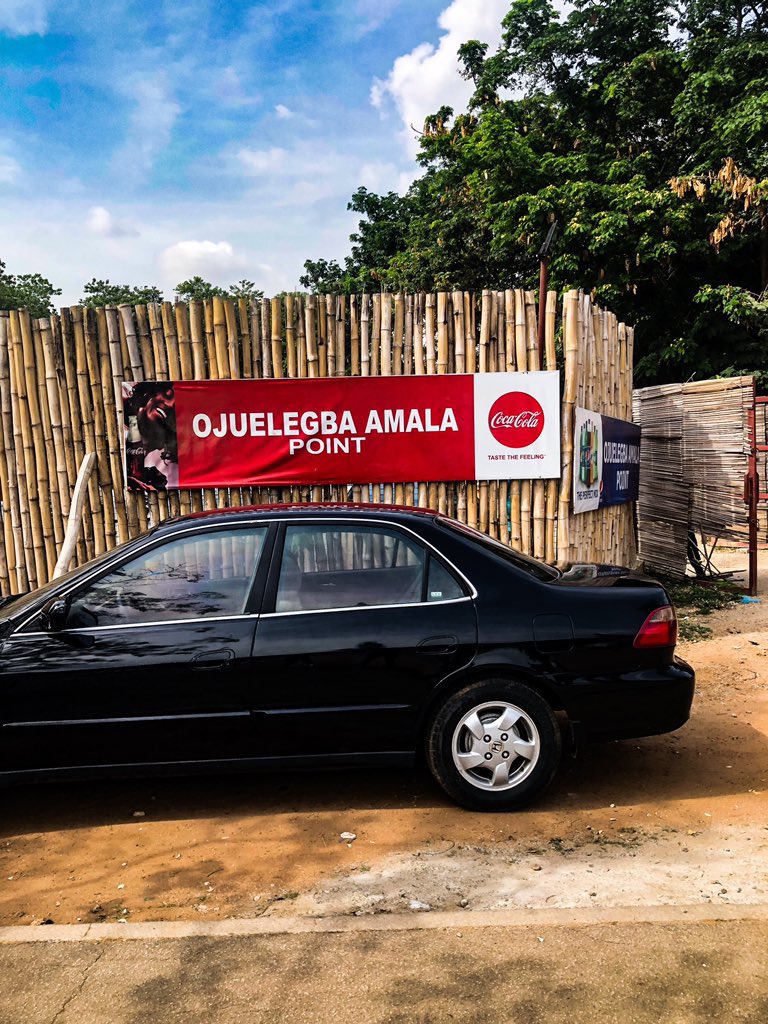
239 433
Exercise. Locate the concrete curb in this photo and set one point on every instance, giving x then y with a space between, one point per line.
466 919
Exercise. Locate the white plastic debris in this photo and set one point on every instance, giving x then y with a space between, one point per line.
418 905
348 837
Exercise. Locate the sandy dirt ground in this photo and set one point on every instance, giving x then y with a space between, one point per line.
679 819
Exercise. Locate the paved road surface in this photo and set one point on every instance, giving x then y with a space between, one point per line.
415 972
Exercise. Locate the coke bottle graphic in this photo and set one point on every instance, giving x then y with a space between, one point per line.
135 449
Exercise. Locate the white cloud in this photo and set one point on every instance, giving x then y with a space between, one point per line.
261 161
10 170
149 126
101 222
231 92
211 260
284 112
24 17
428 77
372 14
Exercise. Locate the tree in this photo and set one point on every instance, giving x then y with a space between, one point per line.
195 289
32 292
245 290
586 117
103 293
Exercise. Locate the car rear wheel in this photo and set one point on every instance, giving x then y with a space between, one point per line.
494 746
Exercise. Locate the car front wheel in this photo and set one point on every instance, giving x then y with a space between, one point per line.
494 746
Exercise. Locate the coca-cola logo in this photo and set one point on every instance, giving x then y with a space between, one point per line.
516 419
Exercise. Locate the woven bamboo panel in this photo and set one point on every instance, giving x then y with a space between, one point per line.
695 452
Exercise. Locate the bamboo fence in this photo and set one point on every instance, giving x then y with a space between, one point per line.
60 397
598 360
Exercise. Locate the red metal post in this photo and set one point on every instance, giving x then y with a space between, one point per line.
752 495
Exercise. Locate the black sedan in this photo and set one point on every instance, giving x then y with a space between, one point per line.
310 636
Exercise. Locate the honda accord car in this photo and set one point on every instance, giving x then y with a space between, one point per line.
319 635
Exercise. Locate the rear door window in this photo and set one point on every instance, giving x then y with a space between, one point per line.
349 566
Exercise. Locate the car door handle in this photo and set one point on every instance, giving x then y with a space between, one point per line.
439 645
212 660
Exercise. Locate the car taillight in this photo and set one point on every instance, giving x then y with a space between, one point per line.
659 629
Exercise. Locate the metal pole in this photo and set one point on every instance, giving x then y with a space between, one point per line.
543 283
753 492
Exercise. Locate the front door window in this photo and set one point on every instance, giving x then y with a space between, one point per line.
196 576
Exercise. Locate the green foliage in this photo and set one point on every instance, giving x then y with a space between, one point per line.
245 290
103 293
195 289
32 292
586 117
693 598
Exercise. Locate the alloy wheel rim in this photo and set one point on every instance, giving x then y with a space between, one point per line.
495 746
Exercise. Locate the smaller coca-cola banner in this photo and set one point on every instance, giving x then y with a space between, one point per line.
606 461
241 433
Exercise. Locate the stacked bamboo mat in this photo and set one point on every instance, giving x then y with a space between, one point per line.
695 453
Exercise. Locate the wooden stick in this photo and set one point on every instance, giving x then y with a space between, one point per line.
75 519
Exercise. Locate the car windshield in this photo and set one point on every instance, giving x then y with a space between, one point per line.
532 566
21 604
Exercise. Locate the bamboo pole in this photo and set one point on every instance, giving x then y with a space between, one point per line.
244 337
88 426
19 571
257 348
509 329
470 342
521 353
310 323
418 335
301 337
570 341
266 335
145 341
31 392
550 357
154 318
75 519
408 340
485 330
234 348
354 335
386 335
197 340
277 338
177 347
134 352
442 332
292 360
330 333
457 303
376 335
34 540
108 335
398 341
54 496
340 319
365 337
429 331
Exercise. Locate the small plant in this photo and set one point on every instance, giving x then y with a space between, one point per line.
693 598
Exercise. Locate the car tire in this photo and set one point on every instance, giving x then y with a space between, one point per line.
494 746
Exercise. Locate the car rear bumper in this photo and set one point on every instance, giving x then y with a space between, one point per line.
643 703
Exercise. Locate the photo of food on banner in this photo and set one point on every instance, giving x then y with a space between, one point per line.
151 451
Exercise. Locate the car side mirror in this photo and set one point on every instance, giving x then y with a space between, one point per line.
54 615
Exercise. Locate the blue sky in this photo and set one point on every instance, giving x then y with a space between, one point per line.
146 142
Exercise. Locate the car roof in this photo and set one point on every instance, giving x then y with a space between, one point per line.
300 510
